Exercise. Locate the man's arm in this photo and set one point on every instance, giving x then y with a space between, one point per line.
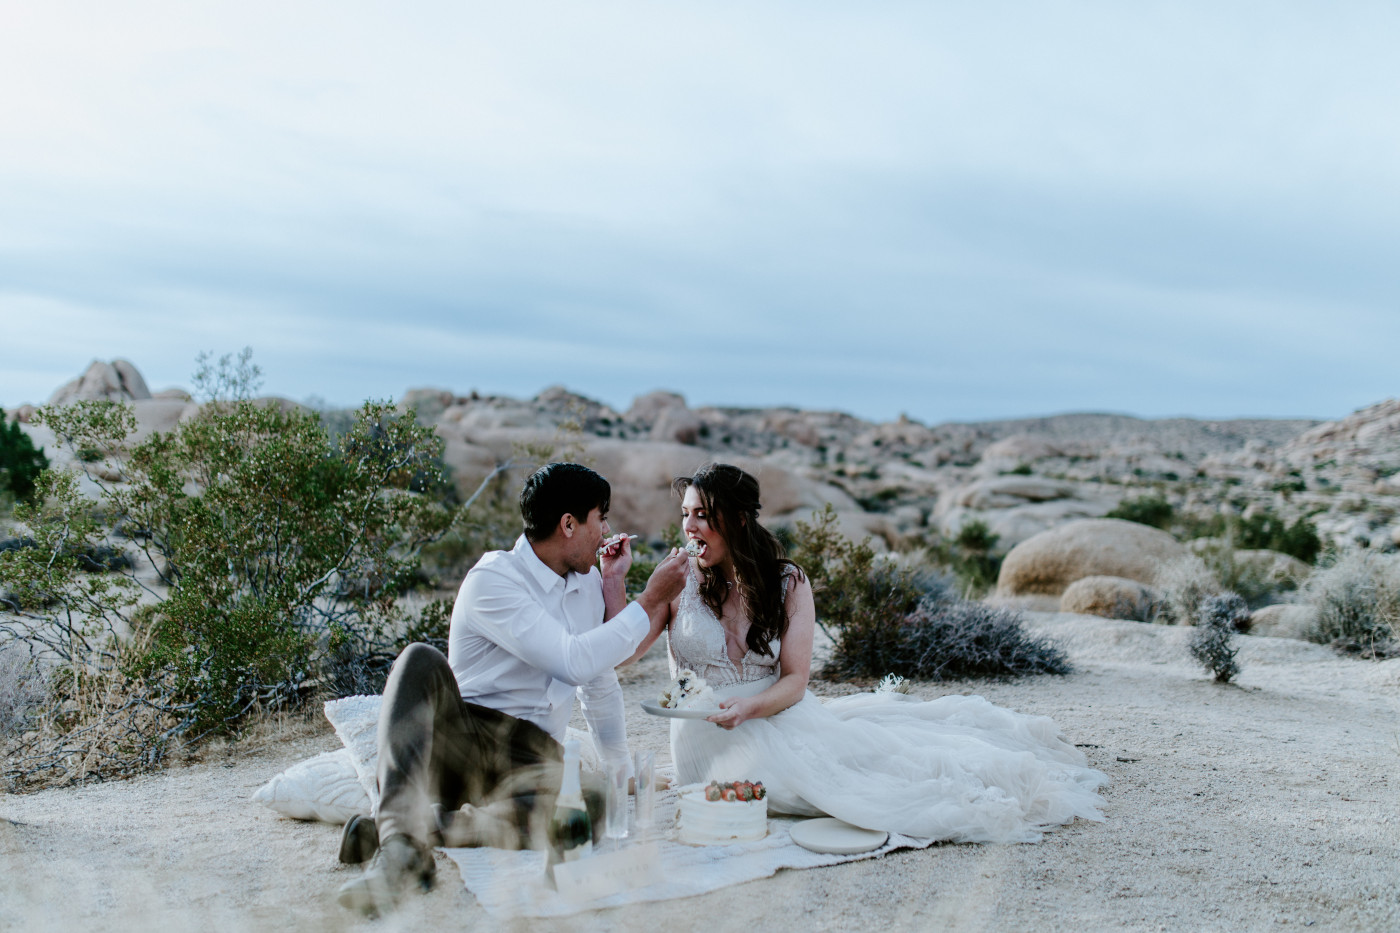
503 612
601 699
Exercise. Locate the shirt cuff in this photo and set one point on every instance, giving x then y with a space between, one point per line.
634 618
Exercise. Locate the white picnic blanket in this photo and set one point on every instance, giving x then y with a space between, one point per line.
513 884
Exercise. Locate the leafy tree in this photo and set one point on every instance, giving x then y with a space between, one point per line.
278 557
20 462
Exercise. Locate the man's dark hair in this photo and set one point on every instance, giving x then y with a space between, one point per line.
559 488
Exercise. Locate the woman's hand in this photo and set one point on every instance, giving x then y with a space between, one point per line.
736 710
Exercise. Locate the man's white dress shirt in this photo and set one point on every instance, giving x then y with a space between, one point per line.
523 639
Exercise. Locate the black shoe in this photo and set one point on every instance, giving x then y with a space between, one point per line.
401 860
359 840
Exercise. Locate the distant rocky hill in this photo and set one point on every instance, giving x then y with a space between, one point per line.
901 479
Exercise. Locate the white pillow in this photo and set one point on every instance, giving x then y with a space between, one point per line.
356 722
322 788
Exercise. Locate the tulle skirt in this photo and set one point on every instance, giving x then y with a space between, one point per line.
957 768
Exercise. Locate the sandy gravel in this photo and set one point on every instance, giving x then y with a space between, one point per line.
1243 807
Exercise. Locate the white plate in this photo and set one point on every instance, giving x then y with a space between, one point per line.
833 837
658 710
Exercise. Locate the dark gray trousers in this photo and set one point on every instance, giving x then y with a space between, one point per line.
438 752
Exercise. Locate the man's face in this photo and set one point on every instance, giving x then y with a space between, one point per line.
588 537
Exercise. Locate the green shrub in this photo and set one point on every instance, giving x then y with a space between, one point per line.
1258 584
886 620
355 669
1145 510
853 598
1266 530
1218 618
1188 526
283 555
971 557
20 462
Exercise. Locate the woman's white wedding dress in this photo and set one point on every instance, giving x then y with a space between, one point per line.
956 768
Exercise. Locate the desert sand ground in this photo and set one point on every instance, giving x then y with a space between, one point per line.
1266 803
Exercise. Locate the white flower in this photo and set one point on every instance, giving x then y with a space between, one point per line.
893 683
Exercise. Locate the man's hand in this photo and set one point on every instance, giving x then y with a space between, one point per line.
666 581
615 556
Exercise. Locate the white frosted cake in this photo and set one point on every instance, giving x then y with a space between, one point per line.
687 691
719 814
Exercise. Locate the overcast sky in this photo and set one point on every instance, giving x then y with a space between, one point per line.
953 210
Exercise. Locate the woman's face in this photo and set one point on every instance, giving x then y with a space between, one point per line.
695 525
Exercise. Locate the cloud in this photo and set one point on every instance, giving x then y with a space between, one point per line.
954 212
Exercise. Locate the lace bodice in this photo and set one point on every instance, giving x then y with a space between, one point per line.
696 641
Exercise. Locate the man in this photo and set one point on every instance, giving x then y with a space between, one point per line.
470 744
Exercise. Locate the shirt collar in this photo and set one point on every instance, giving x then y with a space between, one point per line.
540 570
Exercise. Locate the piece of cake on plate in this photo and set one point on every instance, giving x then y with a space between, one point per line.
687 690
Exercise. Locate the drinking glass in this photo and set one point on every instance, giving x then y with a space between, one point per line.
615 826
644 810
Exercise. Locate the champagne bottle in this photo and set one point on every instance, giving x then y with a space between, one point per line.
570 829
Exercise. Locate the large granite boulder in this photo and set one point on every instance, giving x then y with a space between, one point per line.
1010 491
1016 508
117 381
1021 448
1012 452
793 425
1283 621
1049 562
680 425
666 416
643 501
159 415
1371 433
1273 565
647 408
426 404
1109 597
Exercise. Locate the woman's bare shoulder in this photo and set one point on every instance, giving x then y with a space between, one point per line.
794 581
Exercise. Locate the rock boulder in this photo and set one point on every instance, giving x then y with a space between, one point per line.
1110 597
1050 561
647 408
678 424
1273 565
1283 621
117 381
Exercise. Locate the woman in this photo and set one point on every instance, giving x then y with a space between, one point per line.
956 768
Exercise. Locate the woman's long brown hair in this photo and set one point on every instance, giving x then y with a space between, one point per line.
730 499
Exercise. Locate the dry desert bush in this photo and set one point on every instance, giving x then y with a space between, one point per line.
1357 600
1181 585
